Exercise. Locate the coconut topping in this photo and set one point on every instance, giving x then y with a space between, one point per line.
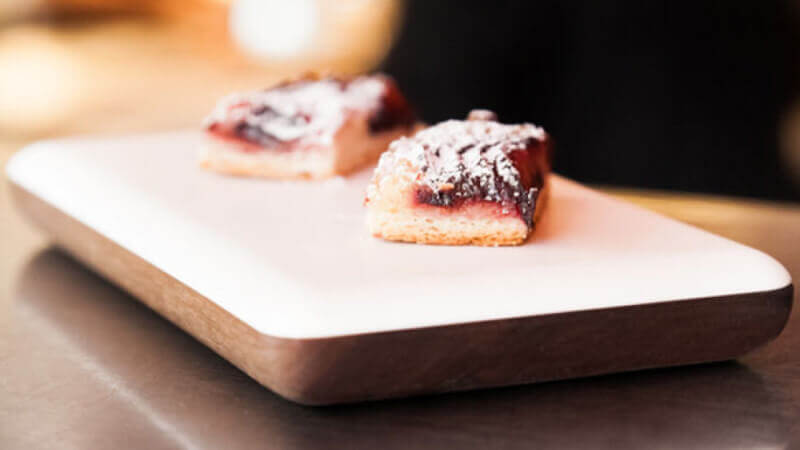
477 159
309 111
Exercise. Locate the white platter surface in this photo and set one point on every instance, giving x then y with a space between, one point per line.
293 259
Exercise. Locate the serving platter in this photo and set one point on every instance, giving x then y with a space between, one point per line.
281 278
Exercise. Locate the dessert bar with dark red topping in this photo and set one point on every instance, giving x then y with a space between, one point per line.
307 128
461 182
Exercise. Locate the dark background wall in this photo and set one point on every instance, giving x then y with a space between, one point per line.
678 95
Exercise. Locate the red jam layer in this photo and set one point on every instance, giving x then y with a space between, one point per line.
520 196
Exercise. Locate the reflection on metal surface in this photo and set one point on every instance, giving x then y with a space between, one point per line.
86 365
101 375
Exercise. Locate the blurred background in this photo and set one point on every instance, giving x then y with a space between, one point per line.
699 96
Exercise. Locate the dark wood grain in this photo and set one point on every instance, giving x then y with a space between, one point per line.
437 359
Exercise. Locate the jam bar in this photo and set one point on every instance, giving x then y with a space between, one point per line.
476 182
308 128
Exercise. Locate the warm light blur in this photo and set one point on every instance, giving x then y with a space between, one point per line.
274 28
315 33
84 66
40 81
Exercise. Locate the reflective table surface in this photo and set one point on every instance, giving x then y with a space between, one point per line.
84 365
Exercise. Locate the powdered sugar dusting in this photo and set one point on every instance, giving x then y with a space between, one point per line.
468 159
310 111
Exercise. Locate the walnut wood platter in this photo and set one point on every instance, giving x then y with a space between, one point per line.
281 279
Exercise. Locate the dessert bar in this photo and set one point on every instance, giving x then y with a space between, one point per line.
476 181
307 128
